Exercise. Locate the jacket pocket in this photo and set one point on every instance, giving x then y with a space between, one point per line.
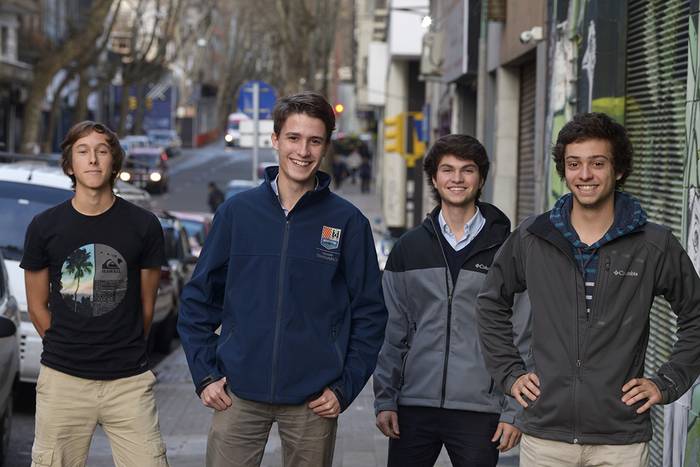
220 345
404 359
42 456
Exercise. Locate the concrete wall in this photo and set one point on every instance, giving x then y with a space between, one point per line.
520 16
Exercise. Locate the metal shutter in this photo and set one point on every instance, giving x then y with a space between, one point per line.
526 142
657 60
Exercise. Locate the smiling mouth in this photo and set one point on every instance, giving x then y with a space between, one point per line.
301 163
586 188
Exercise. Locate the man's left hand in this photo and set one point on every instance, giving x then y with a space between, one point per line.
509 436
638 389
326 405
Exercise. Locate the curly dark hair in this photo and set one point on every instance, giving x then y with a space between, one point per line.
82 129
463 147
310 103
596 125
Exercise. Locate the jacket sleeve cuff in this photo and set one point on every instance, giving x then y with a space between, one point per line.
206 382
339 395
384 406
510 381
666 387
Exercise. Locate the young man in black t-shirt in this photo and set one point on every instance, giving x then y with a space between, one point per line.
92 268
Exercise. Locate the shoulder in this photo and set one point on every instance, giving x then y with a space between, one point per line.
657 235
52 216
135 213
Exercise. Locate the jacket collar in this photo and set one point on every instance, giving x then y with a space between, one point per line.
495 231
322 187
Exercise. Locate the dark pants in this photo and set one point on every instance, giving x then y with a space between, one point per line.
465 434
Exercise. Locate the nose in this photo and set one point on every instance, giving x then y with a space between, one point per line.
92 156
586 172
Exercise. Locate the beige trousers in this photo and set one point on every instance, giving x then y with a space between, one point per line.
69 408
238 435
538 452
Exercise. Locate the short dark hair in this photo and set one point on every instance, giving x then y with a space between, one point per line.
310 103
463 147
596 125
82 129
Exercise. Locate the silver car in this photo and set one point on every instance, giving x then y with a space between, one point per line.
9 359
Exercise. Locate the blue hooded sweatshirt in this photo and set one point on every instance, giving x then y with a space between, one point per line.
298 298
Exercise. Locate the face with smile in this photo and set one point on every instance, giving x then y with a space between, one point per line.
300 144
92 162
590 173
457 181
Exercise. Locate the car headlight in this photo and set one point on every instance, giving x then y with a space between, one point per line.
228 138
155 176
125 176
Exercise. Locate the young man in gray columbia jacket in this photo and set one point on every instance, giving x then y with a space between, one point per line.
591 267
431 385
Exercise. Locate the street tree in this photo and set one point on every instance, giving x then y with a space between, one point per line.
55 55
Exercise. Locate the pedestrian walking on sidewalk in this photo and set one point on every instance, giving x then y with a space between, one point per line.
431 386
290 273
92 268
215 197
592 267
365 174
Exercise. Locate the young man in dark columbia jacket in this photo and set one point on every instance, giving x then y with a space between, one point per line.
592 267
431 385
290 273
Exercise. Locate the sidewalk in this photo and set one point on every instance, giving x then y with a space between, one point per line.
184 421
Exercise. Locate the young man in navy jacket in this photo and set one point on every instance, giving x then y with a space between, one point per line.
290 273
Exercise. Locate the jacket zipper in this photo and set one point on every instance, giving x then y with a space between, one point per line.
278 313
448 325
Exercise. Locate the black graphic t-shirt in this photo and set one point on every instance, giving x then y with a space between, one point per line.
95 267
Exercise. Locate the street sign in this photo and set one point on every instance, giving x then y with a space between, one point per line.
267 99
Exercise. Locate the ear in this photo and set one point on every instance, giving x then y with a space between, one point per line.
275 141
618 176
434 182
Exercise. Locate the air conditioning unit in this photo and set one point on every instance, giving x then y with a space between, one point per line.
431 54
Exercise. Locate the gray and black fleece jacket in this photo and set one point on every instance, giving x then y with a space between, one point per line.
431 356
583 359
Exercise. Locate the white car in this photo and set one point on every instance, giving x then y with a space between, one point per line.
26 189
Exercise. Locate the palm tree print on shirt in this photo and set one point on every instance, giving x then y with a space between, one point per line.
93 279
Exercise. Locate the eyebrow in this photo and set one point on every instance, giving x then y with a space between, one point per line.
594 156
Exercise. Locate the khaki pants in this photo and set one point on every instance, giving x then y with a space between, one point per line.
238 435
69 408
538 452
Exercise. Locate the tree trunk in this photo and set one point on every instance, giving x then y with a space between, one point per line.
81 111
123 109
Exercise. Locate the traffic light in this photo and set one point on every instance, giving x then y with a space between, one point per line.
395 134
415 144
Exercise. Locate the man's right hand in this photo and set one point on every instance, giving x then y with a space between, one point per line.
214 396
527 385
388 423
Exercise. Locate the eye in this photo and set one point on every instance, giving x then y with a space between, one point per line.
572 165
292 138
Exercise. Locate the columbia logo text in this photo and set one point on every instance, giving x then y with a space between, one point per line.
620 272
481 266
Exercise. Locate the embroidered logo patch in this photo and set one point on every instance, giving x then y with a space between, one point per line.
330 238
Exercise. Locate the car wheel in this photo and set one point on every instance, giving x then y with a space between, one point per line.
5 430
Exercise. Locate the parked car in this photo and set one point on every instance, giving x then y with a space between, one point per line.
238 185
167 139
26 189
178 253
197 225
9 359
146 168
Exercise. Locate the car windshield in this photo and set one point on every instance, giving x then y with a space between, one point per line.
19 203
142 160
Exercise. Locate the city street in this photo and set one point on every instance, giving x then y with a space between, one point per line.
184 420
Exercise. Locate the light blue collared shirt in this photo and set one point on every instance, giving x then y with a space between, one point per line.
471 230
277 192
